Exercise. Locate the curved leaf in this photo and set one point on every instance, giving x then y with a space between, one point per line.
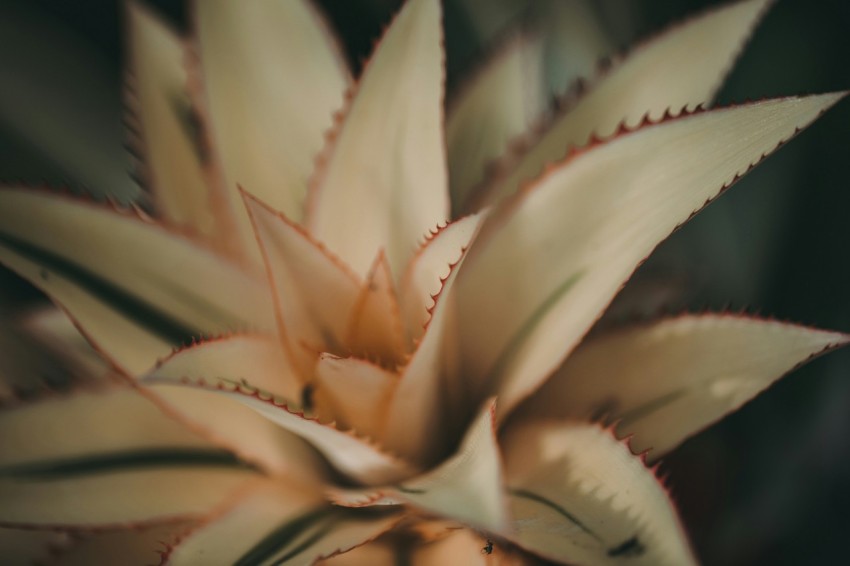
682 68
466 487
233 362
176 158
555 255
279 525
665 381
396 112
274 77
314 291
579 496
496 105
127 281
349 454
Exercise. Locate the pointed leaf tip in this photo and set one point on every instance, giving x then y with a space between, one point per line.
575 219
399 198
667 380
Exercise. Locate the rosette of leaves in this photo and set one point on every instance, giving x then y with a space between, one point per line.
340 333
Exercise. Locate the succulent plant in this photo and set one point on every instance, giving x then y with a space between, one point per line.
344 329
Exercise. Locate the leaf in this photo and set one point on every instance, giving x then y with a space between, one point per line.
314 291
59 464
578 495
427 271
274 76
466 487
68 426
429 405
179 168
349 454
682 68
663 382
375 328
554 256
234 361
357 391
497 104
134 287
118 494
396 114
126 546
281 525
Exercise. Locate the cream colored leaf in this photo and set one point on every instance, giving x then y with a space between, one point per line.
274 78
279 525
235 361
185 187
61 465
72 426
681 68
579 496
665 381
357 392
467 486
429 403
497 104
91 495
353 456
126 342
314 291
553 257
125 279
392 201
426 273
375 328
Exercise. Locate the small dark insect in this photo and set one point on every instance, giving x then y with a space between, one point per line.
488 548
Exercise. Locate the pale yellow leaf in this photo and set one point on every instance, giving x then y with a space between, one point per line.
547 262
385 179
314 291
276 524
274 77
579 496
126 280
357 392
185 186
353 456
663 382
497 104
467 487
682 67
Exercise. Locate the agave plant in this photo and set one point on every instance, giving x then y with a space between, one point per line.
381 354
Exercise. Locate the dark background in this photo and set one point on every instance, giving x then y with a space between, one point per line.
766 486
